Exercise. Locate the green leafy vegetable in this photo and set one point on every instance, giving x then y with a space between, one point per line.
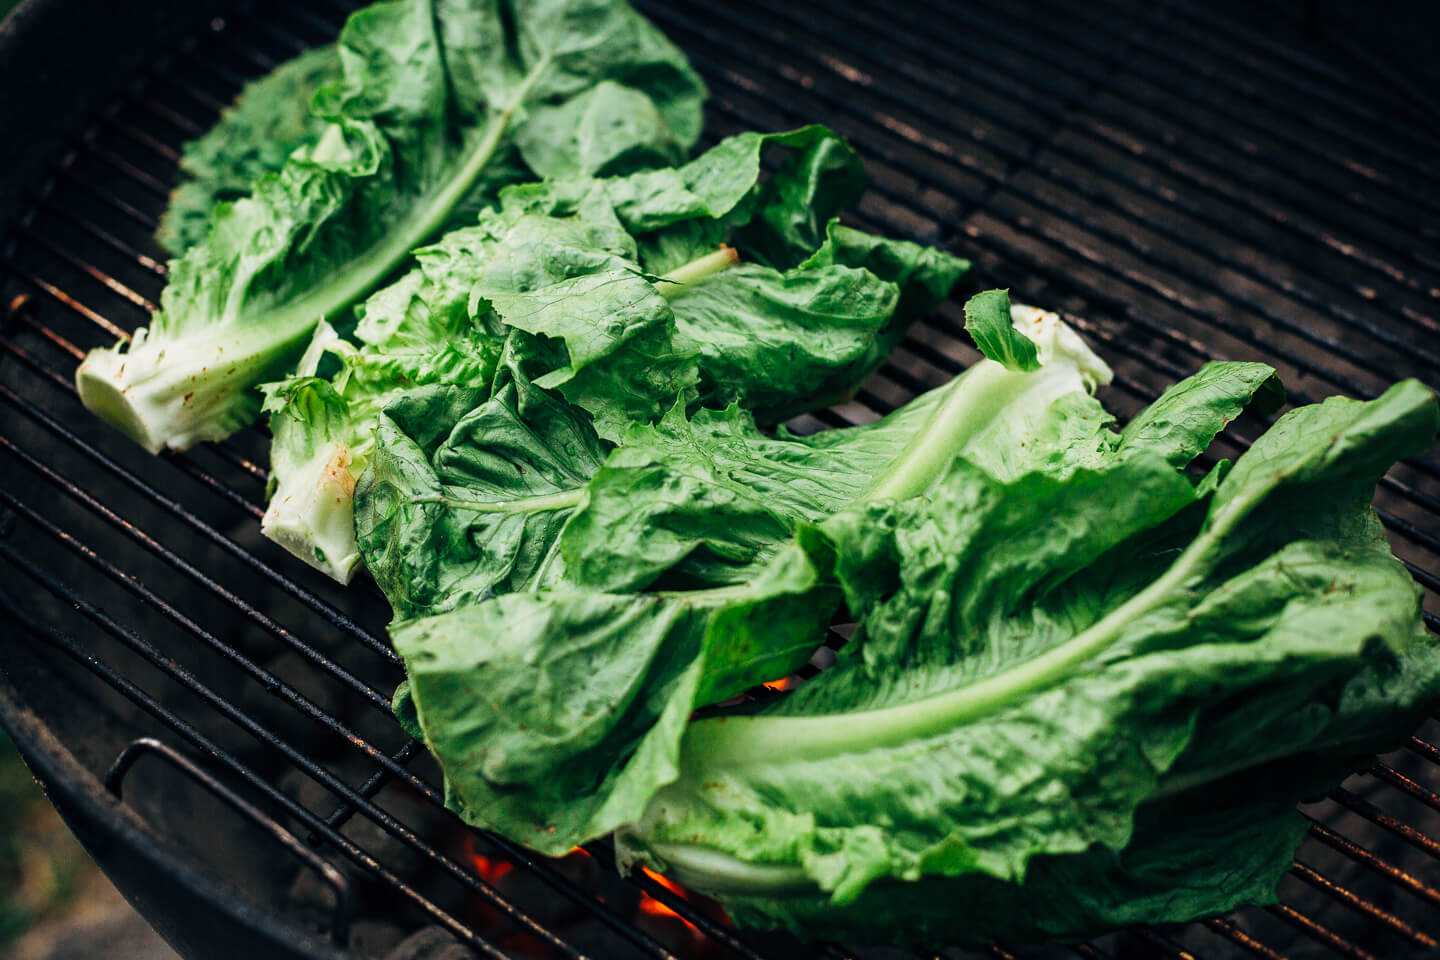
552 282
780 343
712 504
432 93
269 120
415 332
1060 677
987 318
462 502
565 286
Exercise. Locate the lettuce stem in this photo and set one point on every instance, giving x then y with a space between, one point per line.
673 283
563 500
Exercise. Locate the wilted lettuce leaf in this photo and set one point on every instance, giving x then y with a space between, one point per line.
416 331
462 501
1055 676
561 286
575 282
609 129
678 214
269 120
783 342
573 678
807 315
552 281
430 95
709 503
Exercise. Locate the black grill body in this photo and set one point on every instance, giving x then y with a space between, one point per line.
1185 181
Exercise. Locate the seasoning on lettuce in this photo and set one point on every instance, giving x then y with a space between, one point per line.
433 96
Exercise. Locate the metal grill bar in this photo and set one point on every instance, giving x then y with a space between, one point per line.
182 461
338 619
1142 320
115 779
1234 934
1059 52
1194 93
88 269
1359 854
89 227
1398 780
1359 805
1317 880
1121 205
145 220
1180 54
1319 932
1145 283
1270 51
1162 944
1138 149
187 126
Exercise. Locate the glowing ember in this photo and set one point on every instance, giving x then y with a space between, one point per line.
491 871
650 905
657 919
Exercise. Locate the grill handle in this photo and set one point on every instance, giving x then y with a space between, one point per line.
339 927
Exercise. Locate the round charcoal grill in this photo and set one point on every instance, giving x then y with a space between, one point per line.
1185 181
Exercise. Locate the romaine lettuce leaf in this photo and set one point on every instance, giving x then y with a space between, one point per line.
462 502
712 504
552 280
431 93
580 315
1054 676
416 332
269 120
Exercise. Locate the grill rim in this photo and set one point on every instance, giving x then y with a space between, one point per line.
141 862
39 45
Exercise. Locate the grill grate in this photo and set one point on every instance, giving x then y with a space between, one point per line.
1181 186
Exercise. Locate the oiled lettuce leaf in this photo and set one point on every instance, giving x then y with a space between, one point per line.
270 119
1105 693
709 503
565 285
416 332
553 280
669 473
431 94
461 501
785 341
